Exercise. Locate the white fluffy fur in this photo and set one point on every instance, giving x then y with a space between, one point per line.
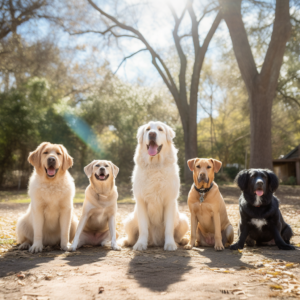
156 219
259 223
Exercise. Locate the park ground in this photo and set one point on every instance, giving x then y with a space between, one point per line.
100 273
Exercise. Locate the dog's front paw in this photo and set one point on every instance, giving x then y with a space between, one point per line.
24 246
235 246
219 247
286 247
188 247
65 247
170 246
36 247
72 247
116 247
140 246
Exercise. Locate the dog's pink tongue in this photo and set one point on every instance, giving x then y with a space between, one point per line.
51 171
259 192
152 149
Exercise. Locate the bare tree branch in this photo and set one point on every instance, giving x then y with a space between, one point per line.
182 57
280 35
124 59
289 97
167 77
195 33
207 11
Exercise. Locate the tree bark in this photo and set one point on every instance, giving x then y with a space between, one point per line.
261 87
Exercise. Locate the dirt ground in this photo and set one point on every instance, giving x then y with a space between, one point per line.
100 273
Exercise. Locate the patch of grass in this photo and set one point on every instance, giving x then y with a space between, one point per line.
7 242
126 200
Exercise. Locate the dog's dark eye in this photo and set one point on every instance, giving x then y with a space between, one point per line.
97 166
106 166
45 152
160 129
198 167
148 129
58 153
208 167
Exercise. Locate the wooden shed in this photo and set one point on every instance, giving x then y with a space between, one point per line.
288 165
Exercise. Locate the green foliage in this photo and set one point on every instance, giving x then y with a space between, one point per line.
115 113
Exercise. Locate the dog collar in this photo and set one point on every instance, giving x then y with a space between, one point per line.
202 192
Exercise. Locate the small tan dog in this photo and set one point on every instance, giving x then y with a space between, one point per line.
209 221
97 224
49 218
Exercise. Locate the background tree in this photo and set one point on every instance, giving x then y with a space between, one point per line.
183 91
261 86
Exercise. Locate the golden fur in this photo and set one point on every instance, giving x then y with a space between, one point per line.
209 220
97 224
156 219
49 218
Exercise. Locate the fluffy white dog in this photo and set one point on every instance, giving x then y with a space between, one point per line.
156 220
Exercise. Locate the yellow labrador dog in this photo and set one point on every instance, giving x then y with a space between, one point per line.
156 219
97 224
49 218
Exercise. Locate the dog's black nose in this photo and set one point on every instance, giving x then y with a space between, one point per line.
51 160
152 135
259 183
102 169
202 175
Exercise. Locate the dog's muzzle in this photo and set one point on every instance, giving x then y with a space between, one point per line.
202 177
101 176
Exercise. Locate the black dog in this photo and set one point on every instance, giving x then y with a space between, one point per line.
261 220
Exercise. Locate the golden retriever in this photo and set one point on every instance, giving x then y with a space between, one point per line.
97 224
156 219
49 218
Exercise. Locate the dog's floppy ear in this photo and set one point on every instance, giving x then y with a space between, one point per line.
242 179
88 170
115 169
273 180
217 165
34 157
140 134
67 159
191 164
170 133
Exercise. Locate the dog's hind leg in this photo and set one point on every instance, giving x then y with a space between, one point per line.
250 242
181 229
227 236
132 231
287 233
24 232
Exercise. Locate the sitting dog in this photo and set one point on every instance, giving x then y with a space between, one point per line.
97 224
156 220
261 220
209 221
49 218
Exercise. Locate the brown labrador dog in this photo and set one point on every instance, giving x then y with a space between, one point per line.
209 221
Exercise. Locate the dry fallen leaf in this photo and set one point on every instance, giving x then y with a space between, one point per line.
21 282
276 286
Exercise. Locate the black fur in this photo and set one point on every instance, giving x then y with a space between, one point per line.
254 181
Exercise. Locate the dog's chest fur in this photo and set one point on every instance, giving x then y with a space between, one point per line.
156 188
259 223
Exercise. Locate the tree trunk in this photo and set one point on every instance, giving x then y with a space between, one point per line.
190 146
260 125
261 87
